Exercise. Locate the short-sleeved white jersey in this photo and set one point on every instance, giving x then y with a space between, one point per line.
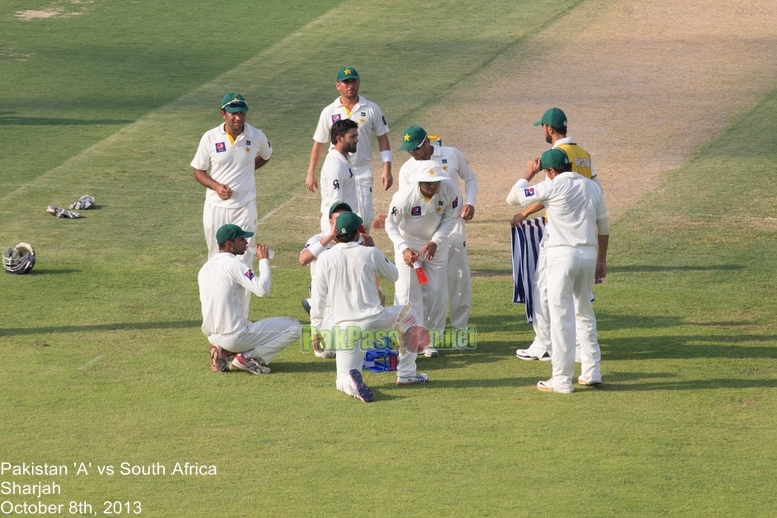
414 220
337 181
232 164
453 165
573 202
223 282
371 123
345 282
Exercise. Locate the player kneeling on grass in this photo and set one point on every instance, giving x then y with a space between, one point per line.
344 285
224 282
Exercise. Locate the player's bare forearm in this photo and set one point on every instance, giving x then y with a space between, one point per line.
386 179
224 191
259 162
601 259
315 156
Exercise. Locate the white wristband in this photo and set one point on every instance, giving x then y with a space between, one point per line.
316 249
385 156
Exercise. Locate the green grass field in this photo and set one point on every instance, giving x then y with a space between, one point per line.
103 361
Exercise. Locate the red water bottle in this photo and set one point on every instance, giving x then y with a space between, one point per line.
420 273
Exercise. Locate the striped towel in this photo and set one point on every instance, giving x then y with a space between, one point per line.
526 247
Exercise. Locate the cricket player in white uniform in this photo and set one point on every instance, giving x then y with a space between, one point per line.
231 152
345 282
454 166
223 281
554 130
337 177
578 224
314 247
421 217
369 117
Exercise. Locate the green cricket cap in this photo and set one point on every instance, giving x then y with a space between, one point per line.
347 223
230 232
341 206
412 138
553 117
347 73
234 103
554 159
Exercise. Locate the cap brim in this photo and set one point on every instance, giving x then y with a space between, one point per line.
538 123
408 146
236 109
346 78
338 206
246 234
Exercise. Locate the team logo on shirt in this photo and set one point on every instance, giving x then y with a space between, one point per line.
220 147
415 211
444 160
528 192
393 211
335 118
336 184
456 202
248 142
364 114
249 274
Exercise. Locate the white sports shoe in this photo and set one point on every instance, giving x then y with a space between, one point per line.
524 354
249 365
417 378
431 352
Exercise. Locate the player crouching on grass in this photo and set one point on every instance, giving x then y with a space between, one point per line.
224 283
344 285
318 244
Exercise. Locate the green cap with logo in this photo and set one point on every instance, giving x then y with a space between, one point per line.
553 117
412 138
234 103
347 223
341 206
554 159
347 73
229 232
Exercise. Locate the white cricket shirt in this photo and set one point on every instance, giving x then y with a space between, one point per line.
345 282
574 204
337 182
414 220
223 283
453 165
232 164
371 123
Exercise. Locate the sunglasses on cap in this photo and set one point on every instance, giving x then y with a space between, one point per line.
235 104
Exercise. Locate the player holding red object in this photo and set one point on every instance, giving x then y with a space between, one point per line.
421 216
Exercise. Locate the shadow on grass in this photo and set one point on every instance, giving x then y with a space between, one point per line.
43 121
486 383
177 324
709 384
635 268
45 271
683 347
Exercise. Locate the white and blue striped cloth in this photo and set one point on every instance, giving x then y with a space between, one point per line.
526 247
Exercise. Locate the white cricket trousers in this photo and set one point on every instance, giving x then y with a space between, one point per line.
459 277
570 278
363 177
353 357
263 339
430 301
214 217
541 317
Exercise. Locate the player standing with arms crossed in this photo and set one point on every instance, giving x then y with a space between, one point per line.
369 117
453 165
554 130
421 217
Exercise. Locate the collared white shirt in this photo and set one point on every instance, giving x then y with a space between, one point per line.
371 123
345 282
232 164
337 181
453 165
414 220
223 282
574 204
317 239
